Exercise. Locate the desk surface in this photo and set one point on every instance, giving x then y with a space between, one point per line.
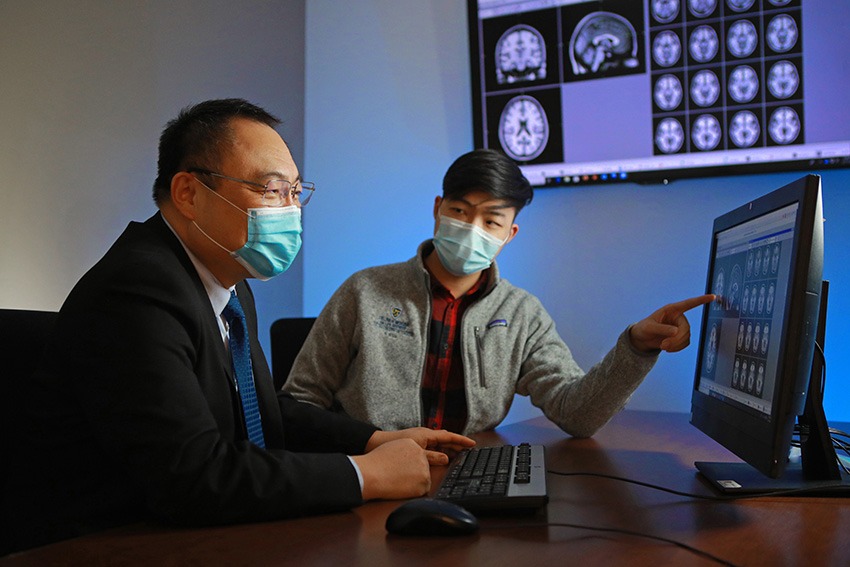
659 448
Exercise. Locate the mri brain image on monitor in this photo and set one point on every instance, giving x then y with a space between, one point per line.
744 129
603 41
650 91
702 8
706 132
669 136
743 84
784 125
782 33
520 55
664 11
742 39
523 128
705 88
668 92
703 44
666 48
783 79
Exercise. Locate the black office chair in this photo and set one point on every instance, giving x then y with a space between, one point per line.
287 337
23 335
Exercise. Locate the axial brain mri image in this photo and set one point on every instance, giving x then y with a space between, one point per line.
602 42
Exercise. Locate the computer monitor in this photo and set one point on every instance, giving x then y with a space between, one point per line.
585 92
757 368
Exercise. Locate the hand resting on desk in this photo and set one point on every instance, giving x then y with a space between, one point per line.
397 463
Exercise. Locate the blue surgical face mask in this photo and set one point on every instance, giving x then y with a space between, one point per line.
464 248
274 239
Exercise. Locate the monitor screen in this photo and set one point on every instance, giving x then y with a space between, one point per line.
601 91
758 339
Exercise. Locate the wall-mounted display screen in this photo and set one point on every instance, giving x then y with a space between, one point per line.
601 91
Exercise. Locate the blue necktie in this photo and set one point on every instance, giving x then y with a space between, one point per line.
240 352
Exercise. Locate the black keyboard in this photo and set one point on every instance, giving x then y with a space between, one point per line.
506 477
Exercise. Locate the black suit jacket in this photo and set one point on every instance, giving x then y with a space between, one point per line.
135 411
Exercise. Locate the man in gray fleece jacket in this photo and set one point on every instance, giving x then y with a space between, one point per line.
441 341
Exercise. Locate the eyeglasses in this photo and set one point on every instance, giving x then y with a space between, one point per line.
275 191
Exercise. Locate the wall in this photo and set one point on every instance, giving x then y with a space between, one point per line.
388 109
86 89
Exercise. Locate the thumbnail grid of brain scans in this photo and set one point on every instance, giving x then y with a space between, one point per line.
726 74
740 322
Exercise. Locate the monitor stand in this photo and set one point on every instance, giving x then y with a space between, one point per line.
818 470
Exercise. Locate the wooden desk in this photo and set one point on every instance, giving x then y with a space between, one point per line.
655 447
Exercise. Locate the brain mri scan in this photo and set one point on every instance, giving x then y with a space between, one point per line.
705 88
669 136
782 33
744 129
743 84
520 55
701 8
706 132
603 41
783 79
666 49
703 44
784 125
667 92
740 5
523 128
742 38
665 11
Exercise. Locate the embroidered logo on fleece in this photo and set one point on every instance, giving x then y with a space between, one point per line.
396 311
497 323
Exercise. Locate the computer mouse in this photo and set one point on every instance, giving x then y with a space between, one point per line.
430 517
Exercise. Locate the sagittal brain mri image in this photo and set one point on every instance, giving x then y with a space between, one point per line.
783 125
742 38
666 49
603 41
520 55
669 136
743 84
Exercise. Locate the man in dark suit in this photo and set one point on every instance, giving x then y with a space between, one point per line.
137 408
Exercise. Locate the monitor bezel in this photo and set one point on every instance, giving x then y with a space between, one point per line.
765 443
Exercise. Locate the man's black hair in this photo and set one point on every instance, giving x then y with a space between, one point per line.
198 137
490 171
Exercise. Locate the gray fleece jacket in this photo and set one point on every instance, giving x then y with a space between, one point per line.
365 355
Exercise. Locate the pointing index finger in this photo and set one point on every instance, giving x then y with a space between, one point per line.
688 304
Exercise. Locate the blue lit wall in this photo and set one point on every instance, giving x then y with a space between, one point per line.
388 109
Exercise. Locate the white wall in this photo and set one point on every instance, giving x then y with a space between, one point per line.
87 87
388 109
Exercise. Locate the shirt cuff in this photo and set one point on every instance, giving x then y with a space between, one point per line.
359 474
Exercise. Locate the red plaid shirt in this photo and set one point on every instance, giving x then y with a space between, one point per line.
443 390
